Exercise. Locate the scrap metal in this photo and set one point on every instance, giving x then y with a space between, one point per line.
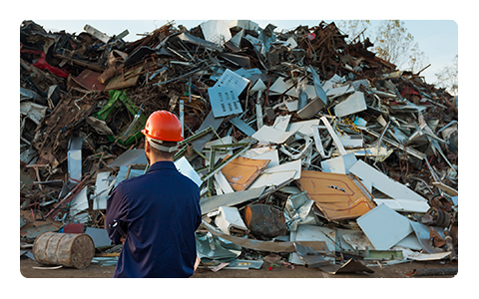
386 132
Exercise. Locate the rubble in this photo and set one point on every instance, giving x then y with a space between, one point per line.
303 145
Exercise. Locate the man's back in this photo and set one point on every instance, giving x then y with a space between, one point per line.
160 211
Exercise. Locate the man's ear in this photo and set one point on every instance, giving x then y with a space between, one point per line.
147 146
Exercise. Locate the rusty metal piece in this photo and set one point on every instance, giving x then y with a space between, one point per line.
440 202
69 250
89 80
436 238
125 79
264 220
69 197
439 217
433 272
107 74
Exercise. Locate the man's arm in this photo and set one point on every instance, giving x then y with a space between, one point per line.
116 209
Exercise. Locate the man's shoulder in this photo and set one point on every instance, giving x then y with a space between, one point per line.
192 184
132 182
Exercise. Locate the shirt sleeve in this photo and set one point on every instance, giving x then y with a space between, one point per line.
116 209
198 211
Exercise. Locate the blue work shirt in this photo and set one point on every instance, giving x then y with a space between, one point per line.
160 212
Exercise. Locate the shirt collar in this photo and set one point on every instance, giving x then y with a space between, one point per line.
162 165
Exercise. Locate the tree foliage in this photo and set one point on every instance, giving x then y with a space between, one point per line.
392 42
396 45
447 77
354 28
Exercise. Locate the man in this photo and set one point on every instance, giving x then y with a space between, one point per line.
158 211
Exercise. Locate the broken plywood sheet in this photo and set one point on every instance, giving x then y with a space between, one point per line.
336 195
384 227
382 182
242 172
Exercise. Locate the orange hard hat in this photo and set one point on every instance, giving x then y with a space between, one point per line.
164 126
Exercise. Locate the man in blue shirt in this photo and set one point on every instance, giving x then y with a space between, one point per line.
158 211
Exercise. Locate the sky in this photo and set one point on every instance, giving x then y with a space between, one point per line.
438 39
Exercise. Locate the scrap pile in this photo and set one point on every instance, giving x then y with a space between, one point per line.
307 149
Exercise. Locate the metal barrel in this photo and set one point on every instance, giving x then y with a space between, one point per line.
69 250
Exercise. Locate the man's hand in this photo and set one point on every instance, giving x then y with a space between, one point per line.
123 239
197 262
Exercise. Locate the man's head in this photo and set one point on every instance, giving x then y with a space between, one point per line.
153 154
162 132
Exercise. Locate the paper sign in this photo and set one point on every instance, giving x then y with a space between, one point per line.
224 101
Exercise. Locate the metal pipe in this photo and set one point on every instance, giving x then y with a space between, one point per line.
433 272
380 139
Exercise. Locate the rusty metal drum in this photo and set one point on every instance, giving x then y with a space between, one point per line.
69 250
264 220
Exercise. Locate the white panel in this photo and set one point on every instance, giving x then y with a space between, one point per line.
384 227
383 183
277 175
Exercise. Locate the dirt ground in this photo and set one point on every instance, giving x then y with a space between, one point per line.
402 270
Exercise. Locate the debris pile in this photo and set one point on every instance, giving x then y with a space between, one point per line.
308 150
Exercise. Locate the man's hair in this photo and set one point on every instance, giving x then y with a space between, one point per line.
162 154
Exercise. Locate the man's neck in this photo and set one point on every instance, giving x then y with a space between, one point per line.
158 159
